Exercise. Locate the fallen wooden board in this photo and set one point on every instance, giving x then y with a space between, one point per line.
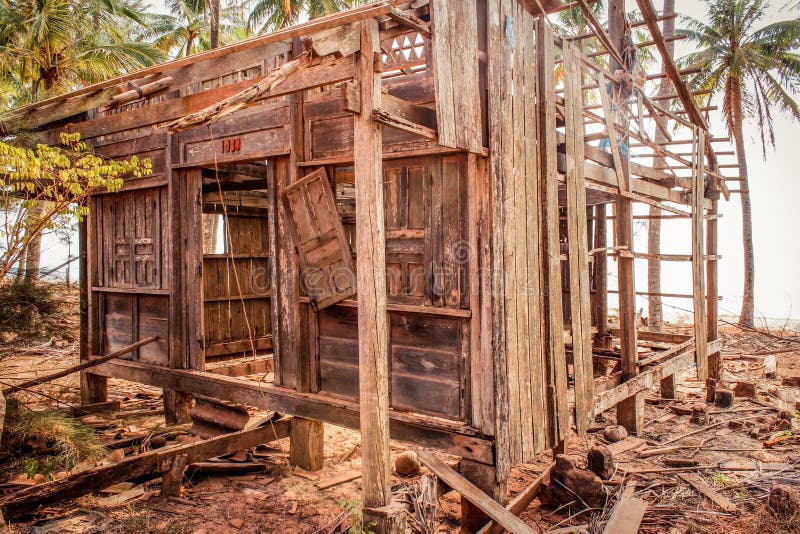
627 514
625 445
700 485
520 503
150 463
473 494
335 481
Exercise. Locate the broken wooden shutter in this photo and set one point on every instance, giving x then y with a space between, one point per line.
327 274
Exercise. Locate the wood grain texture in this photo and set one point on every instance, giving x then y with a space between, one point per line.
698 255
578 242
455 63
371 270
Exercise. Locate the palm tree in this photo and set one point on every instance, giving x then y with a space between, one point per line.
755 71
182 31
49 47
54 46
269 15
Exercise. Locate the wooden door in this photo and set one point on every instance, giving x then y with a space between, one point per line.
326 265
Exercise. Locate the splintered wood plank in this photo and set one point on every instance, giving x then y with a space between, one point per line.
340 479
473 494
578 242
550 284
536 389
627 514
455 65
500 166
516 249
698 258
611 130
373 340
700 485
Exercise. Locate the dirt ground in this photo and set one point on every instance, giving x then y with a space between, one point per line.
728 444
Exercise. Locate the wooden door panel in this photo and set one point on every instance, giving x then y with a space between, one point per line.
326 265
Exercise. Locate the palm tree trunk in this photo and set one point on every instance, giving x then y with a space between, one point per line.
214 8
655 311
746 317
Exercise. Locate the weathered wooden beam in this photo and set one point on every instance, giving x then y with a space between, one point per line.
650 17
28 500
453 438
371 272
521 502
80 367
411 21
395 121
139 92
698 250
286 34
578 242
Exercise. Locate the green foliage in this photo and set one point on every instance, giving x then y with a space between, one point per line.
30 432
755 70
44 185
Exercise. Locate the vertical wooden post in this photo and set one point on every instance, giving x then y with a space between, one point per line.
306 443
698 252
550 283
630 412
600 276
177 405
94 388
712 289
371 269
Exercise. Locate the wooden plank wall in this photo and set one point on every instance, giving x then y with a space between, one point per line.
455 63
578 241
530 364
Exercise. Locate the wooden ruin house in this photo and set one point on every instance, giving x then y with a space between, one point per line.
399 216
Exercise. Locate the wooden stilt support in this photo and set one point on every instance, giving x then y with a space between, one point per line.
484 477
668 387
172 470
371 270
94 388
712 289
698 262
177 407
600 280
306 444
630 412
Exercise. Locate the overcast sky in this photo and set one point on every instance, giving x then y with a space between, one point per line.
776 217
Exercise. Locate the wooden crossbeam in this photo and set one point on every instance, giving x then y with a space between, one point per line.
150 463
650 17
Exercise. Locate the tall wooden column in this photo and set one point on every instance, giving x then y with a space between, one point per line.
630 412
698 252
373 357
94 388
177 405
712 289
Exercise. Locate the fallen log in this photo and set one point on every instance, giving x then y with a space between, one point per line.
152 464
80 367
